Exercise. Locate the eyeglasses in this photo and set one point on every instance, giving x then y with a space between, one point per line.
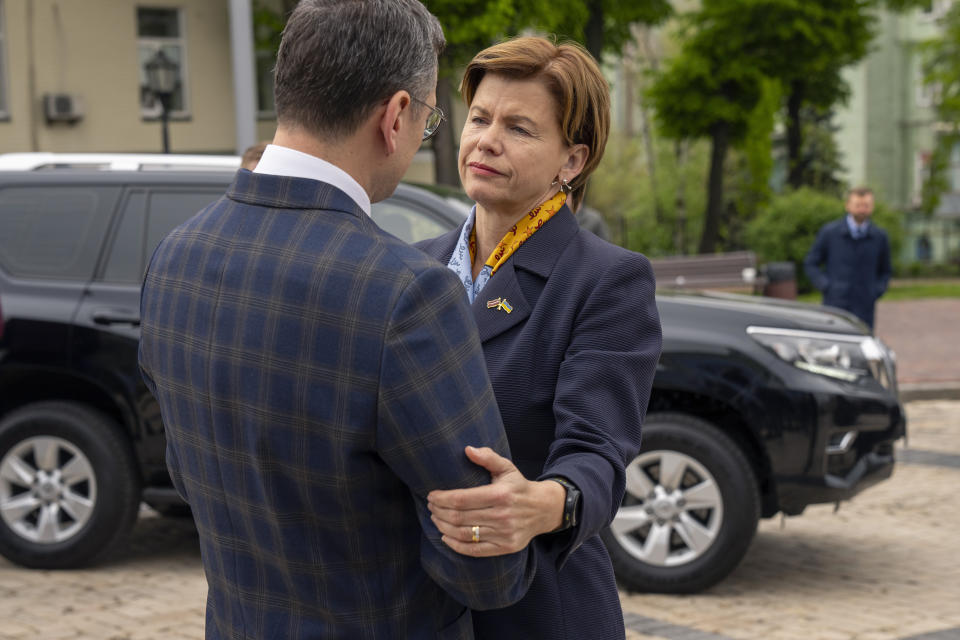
433 120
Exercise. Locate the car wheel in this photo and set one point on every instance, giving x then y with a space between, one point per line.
69 489
690 509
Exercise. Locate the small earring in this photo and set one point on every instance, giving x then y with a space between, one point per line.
565 186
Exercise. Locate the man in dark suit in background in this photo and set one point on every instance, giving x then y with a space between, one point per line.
317 377
850 260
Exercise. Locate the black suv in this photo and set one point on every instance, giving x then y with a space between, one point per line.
757 408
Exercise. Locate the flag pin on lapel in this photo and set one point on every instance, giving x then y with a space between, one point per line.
500 303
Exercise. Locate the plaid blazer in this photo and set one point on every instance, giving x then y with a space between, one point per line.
317 378
572 366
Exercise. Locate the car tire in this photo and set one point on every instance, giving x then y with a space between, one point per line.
69 488
690 510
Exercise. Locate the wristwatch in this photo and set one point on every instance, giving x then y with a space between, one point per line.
571 505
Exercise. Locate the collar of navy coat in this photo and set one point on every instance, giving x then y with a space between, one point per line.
284 192
538 254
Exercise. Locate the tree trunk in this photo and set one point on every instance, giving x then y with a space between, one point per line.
794 136
720 135
593 32
444 142
680 202
650 154
645 129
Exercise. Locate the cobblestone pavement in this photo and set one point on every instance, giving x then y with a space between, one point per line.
885 567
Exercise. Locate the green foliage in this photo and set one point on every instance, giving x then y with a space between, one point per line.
697 91
620 189
268 23
604 26
802 43
472 25
931 270
942 70
785 230
757 148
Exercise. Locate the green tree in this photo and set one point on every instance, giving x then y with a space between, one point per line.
942 70
604 26
805 44
701 94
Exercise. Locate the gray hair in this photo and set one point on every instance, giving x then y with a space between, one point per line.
339 59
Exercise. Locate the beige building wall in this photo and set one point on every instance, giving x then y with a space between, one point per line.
88 48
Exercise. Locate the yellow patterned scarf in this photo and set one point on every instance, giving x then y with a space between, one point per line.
518 233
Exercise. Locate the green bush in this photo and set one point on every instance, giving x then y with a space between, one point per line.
930 270
785 230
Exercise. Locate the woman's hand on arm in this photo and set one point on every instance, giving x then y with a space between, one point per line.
510 511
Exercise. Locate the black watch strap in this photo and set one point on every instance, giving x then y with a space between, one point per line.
571 505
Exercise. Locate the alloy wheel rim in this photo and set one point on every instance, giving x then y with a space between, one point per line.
672 510
48 489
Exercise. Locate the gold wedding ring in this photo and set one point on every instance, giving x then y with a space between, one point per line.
475 529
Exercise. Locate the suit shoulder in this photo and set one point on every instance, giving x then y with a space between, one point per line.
601 255
406 258
834 226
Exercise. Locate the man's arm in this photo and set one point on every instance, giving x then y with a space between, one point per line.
435 398
814 258
602 393
884 269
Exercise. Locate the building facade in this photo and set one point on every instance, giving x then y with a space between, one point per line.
888 130
73 78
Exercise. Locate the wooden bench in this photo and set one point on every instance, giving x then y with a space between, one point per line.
736 270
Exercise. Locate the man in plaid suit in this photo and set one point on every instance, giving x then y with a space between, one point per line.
316 376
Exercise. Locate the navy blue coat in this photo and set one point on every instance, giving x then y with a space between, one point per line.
317 378
852 273
572 366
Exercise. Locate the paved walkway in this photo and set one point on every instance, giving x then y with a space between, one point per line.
885 567
926 337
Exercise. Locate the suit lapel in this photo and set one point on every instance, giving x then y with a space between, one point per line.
539 255
490 308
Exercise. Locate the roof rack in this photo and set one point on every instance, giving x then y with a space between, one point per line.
117 161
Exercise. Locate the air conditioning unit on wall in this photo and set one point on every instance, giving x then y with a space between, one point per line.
62 107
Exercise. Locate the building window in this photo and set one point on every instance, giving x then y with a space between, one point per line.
265 64
934 9
928 95
4 114
162 30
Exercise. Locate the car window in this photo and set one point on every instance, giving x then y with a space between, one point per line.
125 262
148 216
54 231
167 209
406 221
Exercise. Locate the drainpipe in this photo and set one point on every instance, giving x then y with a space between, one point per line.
32 83
244 85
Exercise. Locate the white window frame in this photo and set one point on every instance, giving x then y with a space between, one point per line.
938 9
156 43
921 172
928 95
4 93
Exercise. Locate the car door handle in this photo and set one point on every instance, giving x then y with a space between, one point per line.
108 317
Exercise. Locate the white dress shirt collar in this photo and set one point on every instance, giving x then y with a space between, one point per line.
283 161
857 230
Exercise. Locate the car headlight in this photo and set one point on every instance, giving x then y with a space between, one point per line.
835 355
